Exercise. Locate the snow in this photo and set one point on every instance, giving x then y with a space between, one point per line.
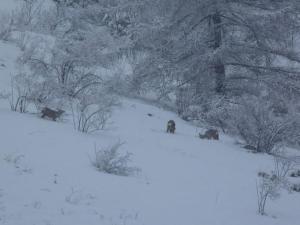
183 180
46 176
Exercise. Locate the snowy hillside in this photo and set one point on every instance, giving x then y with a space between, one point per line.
47 176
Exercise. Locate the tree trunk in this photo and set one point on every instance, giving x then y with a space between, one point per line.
219 67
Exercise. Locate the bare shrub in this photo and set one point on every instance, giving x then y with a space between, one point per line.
270 185
26 15
257 126
79 81
20 91
92 113
70 77
267 188
110 160
26 88
283 165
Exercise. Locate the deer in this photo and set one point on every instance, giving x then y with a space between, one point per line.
210 134
51 114
171 126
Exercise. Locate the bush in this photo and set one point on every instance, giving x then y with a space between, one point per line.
91 113
20 93
258 127
109 160
270 185
26 89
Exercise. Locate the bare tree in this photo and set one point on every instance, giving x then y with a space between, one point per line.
270 185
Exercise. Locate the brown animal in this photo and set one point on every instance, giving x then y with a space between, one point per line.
267 176
263 174
295 173
171 126
52 114
296 187
210 134
250 147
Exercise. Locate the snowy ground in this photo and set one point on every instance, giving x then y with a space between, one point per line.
46 176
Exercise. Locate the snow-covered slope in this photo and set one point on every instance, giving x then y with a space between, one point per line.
47 178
